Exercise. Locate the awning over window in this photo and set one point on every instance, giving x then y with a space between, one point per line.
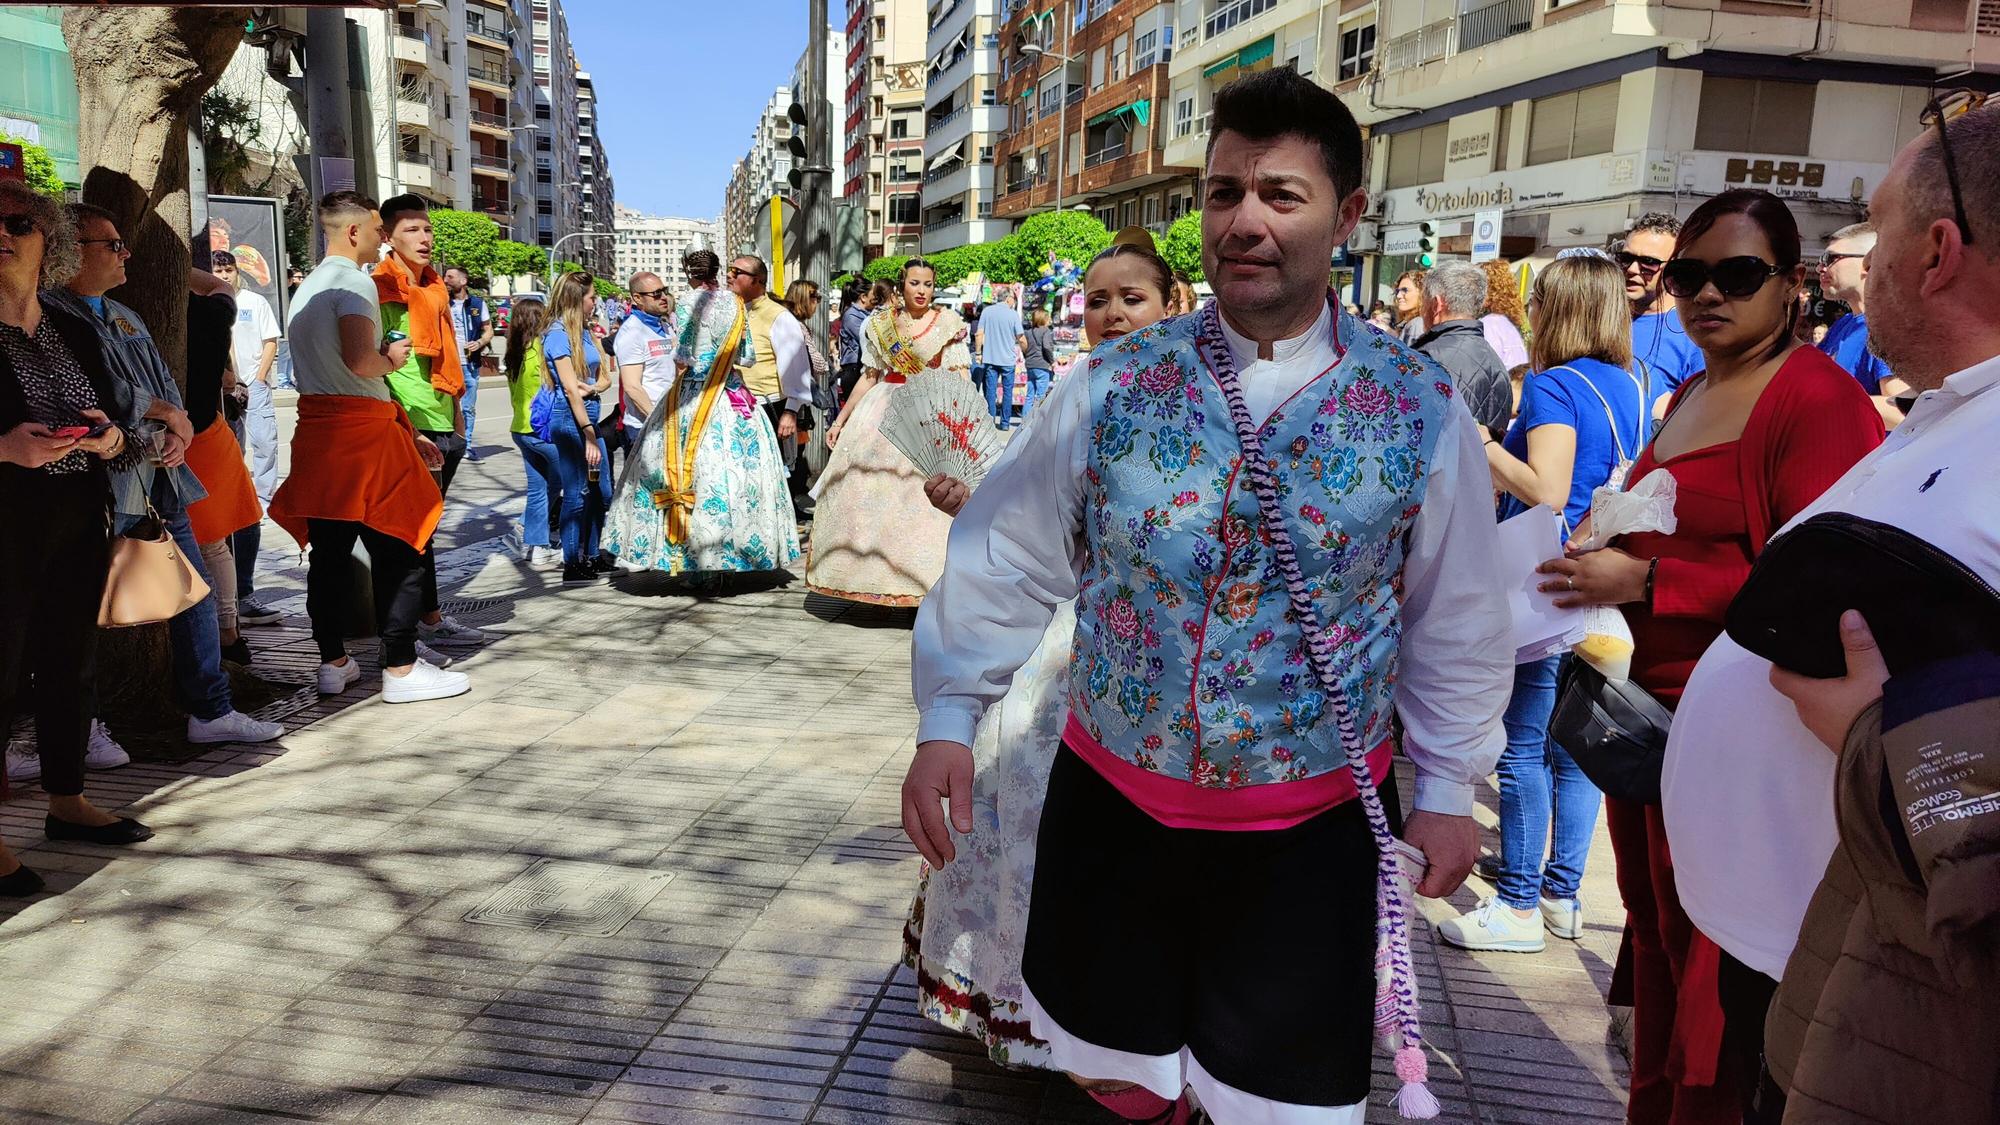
1256 52
1228 62
1106 116
946 157
1140 112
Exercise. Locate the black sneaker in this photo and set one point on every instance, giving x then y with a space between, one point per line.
237 652
1487 867
604 564
579 572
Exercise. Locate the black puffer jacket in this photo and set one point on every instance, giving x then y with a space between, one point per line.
1461 347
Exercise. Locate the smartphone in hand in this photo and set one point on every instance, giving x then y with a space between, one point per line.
80 432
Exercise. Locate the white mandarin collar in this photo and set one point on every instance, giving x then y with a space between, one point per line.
1313 342
1974 379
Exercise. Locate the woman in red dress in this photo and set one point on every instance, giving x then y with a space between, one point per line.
1750 441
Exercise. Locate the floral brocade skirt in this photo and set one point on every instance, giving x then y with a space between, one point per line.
742 518
875 537
969 920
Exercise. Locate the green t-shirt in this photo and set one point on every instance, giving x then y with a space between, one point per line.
429 409
522 390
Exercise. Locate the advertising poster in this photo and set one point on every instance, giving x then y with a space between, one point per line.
253 230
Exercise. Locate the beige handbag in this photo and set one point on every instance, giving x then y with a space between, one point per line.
150 580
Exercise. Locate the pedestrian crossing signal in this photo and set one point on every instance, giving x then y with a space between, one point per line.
1426 245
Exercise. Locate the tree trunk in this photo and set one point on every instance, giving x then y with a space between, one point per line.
140 75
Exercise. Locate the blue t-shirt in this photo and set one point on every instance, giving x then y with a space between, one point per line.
1659 339
1562 396
1000 325
555 345
1847 343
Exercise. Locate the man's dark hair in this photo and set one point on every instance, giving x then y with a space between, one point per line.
757 268
461 269
221 259
78 212
396 207
1283 103
344 202
1656 222
702 266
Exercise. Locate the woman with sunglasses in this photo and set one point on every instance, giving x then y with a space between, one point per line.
56 446
1749 441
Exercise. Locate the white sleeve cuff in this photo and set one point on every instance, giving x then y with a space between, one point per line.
793 404
947 722
1442 795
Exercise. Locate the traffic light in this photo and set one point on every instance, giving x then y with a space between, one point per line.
1427 245
796 144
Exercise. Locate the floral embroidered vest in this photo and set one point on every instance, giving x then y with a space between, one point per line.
1187 662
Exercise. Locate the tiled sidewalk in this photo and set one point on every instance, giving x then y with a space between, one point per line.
295 944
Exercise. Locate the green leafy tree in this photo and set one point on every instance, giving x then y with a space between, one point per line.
884 269
465 239
1069 235
1182 245
512 259
38 165
607 288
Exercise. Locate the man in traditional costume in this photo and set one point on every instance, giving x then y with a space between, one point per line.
1279 529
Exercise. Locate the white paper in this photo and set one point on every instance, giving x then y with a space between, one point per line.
1539 628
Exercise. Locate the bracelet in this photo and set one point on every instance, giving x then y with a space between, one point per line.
1652 571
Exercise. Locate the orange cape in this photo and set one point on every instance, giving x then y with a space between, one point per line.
431 333
231 505
355 459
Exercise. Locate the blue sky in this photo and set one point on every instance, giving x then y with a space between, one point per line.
679 91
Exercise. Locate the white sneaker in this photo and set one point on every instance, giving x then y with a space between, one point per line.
423 681
23 764
232 727
1563 917
450 633
544 558
103 751
336 678
432 656
1493 925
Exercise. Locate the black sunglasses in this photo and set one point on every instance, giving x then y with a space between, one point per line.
1830 258
1735 278
17 225
117 245
650 292
1647 262
1940 109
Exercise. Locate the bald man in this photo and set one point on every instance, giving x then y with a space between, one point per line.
645 349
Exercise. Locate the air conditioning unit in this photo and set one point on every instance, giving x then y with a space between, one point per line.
1367 237
269 25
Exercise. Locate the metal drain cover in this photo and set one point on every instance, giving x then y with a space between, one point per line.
594 899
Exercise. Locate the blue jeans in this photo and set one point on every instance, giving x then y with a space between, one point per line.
544 488
1000 393
584 501
469 404
1038 388
199 678
1539 784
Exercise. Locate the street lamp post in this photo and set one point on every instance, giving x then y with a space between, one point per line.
1063 61
558 245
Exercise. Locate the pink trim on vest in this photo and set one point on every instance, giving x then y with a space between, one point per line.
1251 808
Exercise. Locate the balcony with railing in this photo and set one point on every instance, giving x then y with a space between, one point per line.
489 74
482 162
488 120
493 29
1104 155
1476 28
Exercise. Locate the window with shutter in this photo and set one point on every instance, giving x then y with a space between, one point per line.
1417 157
1758 115
1573 123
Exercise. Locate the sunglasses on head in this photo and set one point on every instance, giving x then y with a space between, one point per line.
17 225
1732 277
1940 109
1627 259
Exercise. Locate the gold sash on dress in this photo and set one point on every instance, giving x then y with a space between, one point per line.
677 498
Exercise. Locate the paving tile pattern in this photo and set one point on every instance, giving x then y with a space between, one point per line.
293 944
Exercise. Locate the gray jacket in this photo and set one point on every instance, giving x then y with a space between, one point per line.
1460 347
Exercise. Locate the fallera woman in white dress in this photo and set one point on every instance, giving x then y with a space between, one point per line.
969 919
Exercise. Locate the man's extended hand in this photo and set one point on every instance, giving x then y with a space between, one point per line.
1449 843
429 451
941 771
788 426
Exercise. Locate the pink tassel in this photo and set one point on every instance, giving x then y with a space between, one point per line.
1414 1101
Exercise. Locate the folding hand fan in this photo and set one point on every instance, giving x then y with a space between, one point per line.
941 422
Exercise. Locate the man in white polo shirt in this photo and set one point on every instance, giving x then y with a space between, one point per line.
645 350
1748 790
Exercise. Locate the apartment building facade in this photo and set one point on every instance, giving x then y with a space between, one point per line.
655 244
881 165
1219 41
1084 86
425 116
499 35
963 121
1574 119
558 177
598 198
39 105
763 172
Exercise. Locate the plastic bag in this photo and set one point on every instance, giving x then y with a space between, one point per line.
1646 506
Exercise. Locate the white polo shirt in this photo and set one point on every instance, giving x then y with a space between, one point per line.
637 342
1747 790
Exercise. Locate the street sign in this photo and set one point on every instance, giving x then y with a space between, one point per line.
1486 234
13 164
